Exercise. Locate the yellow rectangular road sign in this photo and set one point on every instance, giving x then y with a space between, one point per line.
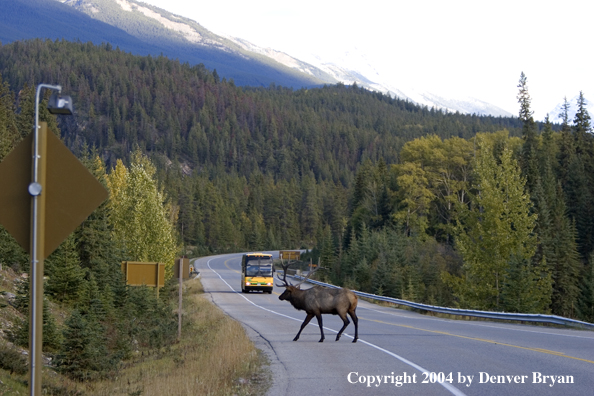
289 254
144 274
185 269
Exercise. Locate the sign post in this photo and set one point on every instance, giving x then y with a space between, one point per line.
179 308
37 261
182 268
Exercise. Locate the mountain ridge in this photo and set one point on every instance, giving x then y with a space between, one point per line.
147 22
144 29
326 71
52 19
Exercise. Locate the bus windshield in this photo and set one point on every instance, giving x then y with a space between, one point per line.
259 267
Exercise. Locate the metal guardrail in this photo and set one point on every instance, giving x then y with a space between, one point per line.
538 318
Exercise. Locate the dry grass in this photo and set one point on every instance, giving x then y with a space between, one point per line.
214 357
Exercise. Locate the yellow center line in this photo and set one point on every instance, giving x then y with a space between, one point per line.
227 265
484 340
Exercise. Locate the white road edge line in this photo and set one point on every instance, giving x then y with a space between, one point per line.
452 389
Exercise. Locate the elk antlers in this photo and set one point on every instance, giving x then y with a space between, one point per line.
284 279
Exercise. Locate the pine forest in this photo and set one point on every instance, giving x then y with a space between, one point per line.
392 198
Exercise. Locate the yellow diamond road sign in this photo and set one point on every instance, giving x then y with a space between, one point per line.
72 193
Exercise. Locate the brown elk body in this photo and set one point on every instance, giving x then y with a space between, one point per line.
322 300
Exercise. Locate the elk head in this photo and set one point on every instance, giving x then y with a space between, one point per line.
288 293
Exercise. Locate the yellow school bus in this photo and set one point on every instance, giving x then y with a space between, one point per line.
257 272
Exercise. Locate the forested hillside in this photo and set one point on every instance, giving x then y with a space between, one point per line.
193 123
396 199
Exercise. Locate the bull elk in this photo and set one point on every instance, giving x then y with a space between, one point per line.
320 300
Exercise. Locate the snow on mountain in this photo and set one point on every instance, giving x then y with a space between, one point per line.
555 115
353 66
451 103
285 59
348 67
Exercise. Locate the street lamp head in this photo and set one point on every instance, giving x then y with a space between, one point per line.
60 104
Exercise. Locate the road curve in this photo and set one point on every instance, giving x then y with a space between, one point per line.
401 352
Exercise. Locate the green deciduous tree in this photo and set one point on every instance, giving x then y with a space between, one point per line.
143 223
414 196
446 166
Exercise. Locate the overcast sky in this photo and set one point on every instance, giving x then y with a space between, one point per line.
475 48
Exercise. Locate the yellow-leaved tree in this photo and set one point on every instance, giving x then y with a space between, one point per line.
143 222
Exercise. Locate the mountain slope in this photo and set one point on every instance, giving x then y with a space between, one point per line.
27 19
354 66
143 29
155 25
145 21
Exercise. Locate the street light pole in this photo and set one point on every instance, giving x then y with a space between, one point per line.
59 106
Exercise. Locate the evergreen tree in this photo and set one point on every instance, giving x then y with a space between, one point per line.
567 144
497 226
65 274
579 201
327 253
586 301
529 160
382 277
20 334
309 213
363 275
52 339
566 268
527 288
96 249
9 134
582 127
11 253
83 355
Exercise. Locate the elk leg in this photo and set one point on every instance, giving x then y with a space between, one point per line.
305 322
346 322
353 315
319 316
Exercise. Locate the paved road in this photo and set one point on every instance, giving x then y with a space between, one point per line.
398 349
